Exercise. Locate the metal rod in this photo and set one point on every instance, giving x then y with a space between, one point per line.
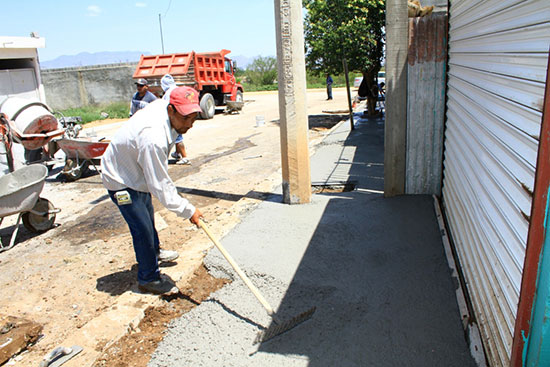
6 139
345 63
535 238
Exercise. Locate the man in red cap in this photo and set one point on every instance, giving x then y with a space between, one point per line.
135 166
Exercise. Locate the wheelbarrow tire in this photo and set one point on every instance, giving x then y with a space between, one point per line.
39 223
73 172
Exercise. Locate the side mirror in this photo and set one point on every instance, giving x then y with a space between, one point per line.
234 66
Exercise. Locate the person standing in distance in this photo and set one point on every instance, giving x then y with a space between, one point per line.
329 87
142 97
168 84
134 168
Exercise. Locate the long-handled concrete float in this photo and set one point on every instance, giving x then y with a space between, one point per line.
278 327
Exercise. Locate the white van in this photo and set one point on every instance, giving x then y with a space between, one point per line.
381 78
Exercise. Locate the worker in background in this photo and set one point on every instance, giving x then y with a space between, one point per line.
382 89
142 97
168 84
329 87
135 166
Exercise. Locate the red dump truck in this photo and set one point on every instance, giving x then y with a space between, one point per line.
211 73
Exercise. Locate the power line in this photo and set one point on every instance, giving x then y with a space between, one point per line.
160 25
166 12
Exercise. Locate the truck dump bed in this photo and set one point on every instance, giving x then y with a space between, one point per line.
192 69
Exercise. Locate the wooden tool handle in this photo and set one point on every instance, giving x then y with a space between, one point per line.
237 269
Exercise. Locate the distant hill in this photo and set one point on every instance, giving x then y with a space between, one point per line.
87 59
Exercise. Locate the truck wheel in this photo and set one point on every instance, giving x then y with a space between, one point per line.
208 106
239 96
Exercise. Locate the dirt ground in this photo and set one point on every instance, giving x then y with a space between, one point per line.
136 347
77 280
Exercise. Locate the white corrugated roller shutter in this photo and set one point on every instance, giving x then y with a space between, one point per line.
498 55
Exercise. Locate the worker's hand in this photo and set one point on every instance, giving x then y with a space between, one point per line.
195 218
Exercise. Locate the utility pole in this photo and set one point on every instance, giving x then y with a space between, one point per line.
291 69
395 130
161 39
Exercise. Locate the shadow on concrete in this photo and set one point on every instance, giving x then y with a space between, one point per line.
235 313
376 271
258 195
325 121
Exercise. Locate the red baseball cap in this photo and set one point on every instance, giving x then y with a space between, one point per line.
186 100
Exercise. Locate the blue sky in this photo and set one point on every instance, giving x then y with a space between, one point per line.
246 27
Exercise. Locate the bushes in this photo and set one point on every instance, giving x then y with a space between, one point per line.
118 110
312 82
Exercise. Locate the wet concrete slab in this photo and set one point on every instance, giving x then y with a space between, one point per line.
374 267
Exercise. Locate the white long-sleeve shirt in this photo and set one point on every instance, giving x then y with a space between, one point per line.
137 158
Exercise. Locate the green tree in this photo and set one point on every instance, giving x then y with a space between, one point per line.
350 29
262 70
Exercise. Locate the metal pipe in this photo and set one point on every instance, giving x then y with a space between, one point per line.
535 237
161 39
348 91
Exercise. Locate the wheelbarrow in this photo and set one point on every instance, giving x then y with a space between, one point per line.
233 106
79 154
20 194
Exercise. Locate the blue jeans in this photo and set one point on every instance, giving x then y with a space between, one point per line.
141 220
179 139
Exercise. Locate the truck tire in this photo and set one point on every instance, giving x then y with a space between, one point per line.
208 106
239 96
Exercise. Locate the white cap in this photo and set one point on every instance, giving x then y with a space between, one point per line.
166 82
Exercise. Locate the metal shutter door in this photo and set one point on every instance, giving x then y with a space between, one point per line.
498 54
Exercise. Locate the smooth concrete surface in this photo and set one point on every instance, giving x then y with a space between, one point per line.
374 267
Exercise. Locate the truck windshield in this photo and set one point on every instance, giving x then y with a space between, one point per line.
228 66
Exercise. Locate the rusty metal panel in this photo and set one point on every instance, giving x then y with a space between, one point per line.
498 54
425 103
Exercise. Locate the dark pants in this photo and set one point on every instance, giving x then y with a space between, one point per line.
329 91
141 220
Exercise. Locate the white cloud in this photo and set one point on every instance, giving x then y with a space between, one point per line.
93 10
141 5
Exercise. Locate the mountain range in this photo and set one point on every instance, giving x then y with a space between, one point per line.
101 58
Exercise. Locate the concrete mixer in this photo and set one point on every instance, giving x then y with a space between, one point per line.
32 125
27 122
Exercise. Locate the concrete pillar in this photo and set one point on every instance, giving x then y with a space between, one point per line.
395 139
292 102
82 90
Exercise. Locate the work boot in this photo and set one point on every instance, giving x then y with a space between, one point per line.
164 286
167 255
183 161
